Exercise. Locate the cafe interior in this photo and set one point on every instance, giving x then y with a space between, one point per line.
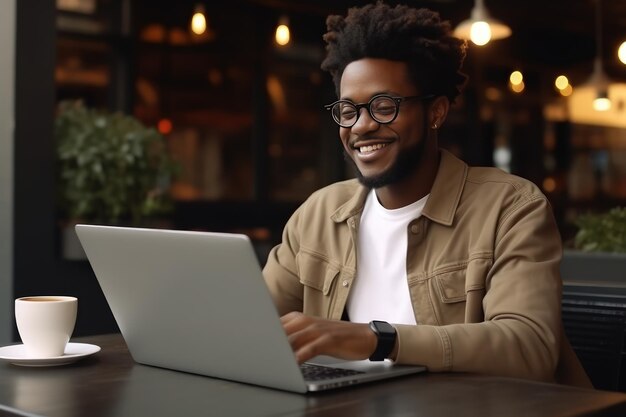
233 93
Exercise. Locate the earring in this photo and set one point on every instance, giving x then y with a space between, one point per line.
435 125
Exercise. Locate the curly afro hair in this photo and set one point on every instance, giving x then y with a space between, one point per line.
401 33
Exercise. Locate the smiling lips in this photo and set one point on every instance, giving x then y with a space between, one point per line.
368 148
371 148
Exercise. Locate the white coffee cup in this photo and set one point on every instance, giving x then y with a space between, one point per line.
45 324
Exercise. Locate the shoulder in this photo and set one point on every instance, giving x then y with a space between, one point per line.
319 221
495 177
493 184
320 207
461 191
491 193
333 196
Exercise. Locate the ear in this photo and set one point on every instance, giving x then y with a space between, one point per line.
438 111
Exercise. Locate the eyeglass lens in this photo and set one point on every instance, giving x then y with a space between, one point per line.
381 109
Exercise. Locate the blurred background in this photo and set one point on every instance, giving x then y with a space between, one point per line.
238 98
243 114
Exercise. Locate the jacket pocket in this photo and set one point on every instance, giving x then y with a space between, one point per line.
316 272
448 296
455 283
318 277
451 286
460 291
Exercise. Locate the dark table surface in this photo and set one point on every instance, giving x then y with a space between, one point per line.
109 383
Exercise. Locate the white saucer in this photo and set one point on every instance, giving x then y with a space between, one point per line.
16 354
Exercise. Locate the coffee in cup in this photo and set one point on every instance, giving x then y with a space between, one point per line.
45 324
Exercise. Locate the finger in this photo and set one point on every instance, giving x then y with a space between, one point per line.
316 346
303 333
290 316
296 322
342 340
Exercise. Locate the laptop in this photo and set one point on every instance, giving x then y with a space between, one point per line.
197 302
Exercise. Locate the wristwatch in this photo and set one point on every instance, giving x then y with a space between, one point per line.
386 335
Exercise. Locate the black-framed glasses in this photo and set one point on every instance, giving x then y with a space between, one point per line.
383 108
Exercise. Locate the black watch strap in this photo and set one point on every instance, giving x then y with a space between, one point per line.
386 335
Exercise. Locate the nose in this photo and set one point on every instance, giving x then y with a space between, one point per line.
364 123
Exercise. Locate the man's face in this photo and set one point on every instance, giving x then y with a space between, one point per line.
383 154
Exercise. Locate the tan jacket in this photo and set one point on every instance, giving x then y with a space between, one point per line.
482 269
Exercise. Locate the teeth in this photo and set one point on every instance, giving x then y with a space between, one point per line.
372 148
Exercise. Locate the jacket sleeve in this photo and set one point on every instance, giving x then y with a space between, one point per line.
281 271
520 334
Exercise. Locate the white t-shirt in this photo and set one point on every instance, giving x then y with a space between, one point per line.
380 290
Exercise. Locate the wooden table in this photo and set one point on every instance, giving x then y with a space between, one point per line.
111 384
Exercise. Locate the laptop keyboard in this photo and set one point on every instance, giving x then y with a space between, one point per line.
318 373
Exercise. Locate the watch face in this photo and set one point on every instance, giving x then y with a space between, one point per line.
384 328
386 335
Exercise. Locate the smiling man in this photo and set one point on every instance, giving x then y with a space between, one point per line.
422 259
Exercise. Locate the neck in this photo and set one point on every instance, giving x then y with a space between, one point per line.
412 188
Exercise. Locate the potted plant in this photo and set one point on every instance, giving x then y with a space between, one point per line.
599 252
112 169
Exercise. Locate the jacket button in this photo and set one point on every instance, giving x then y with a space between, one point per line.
345 283
415 229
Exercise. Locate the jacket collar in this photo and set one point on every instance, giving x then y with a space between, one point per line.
447 189
353 206
444 195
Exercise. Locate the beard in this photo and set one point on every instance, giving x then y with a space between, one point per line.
407 162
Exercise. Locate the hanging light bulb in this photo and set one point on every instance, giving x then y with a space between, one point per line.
599 79
480 28
480 33
599 100
198 20
282 35
621 53
563 86
600 82
602 102
516 82
516 77
561 82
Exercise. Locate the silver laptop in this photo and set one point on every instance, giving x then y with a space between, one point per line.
197 302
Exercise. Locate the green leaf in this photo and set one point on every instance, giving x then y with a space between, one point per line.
603 232
109 165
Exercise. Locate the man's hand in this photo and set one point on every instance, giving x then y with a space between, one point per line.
312 336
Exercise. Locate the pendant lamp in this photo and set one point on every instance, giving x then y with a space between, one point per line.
480 28
599 80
